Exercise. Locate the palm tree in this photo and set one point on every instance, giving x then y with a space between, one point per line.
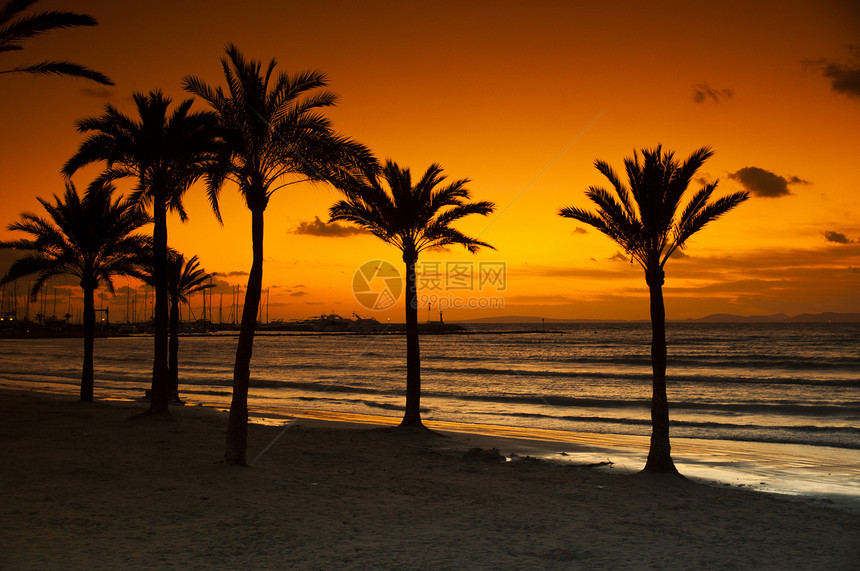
275 136
412 218
643 217
15 28
184 278
166 153
90 238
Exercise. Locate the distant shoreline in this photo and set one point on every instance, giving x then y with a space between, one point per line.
459 327
825 317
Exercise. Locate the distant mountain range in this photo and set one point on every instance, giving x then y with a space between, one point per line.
714 318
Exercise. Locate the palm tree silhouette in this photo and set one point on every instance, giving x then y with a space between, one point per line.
184 278
275 136
166 153
16 27
412 218
90 238
643 217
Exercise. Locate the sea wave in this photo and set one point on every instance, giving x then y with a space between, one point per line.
849 408
691 375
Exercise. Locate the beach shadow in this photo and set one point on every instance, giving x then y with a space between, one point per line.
414 431
149 414
662 479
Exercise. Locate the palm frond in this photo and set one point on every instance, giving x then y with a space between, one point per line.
28 27
694 206
412 217
166 151
440 236
12 8
62 68
91 238
644 221
272 132
200 88
707 215
15 31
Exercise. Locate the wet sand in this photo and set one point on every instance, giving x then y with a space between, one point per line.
817 472
88 485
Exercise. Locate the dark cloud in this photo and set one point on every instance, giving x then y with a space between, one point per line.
619 257
579 230
844 76
765 264
837 237
844 79
760 281
221 287
703 92
298 293
317 227
765 183
230 274
97 92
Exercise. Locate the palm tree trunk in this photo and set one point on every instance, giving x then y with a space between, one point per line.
659 454
412 414
89 341
237 425
160 394
173 346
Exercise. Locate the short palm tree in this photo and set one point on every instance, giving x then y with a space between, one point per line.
413 218
184 278
275 136
16 27
91 238
645 218
166 153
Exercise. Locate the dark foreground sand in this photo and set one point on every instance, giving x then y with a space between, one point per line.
87 486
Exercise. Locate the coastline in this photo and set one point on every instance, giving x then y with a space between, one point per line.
91 484
815 472
818 472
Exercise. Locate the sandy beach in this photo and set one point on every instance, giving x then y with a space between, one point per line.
90 486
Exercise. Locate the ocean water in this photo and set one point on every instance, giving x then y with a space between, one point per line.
769 383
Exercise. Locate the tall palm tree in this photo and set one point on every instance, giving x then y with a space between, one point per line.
645 218
275 136
166 153
91 238
184 278
16 27
412 218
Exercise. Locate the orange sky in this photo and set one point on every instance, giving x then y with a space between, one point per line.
520 98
